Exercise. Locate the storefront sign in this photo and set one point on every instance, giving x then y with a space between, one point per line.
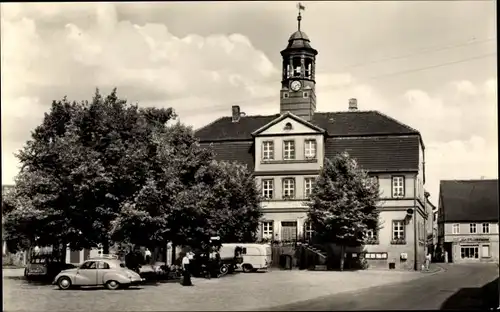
474 240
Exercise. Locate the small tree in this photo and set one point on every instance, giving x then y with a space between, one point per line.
343 204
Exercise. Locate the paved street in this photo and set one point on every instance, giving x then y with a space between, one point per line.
464 287
237 292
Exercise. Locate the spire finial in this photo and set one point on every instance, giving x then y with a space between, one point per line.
299 17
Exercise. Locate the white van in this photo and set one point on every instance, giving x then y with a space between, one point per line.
255 256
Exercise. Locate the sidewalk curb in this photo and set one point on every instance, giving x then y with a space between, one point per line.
439 270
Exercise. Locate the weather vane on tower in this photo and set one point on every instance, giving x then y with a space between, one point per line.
299 17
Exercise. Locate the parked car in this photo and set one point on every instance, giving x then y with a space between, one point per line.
45 267
254 256
107 272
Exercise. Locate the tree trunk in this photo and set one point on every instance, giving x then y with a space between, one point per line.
105 246
173 253
342 257
62 253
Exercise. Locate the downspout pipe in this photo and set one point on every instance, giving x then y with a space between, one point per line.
415 238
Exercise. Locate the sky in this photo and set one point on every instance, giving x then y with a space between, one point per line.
431 65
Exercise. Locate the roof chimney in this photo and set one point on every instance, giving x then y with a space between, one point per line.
236 113
353 104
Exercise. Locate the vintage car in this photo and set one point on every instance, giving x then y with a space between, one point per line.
109 272
45 267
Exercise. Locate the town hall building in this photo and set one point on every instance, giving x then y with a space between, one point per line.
285 152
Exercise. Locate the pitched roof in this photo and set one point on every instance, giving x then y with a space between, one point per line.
378 153
372 153
242 152
469 200
357 123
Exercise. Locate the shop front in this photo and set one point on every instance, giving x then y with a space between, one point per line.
472 249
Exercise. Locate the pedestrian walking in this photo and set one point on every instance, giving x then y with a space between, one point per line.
147 255
186 275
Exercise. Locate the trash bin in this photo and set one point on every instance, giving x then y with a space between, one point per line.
392 265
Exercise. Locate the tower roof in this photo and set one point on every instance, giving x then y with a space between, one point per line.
299 40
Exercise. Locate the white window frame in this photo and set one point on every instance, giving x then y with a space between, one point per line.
268 188
267 229
474 248
310 149
455 228
288 188
308 231
267 150
472 228
371 234
398 230
486 228
398 186
308 186
288 150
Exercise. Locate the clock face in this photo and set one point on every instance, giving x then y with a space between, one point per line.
295 85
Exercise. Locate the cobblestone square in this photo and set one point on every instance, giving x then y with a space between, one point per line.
235 292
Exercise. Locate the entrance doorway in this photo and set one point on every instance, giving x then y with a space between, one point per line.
448 250
288 231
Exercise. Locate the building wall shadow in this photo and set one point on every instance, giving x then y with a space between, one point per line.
484 298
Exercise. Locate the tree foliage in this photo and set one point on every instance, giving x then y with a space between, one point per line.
101 171
343 203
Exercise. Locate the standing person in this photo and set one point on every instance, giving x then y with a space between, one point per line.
428 258
147 255
186 275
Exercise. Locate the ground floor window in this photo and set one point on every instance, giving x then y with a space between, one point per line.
267 230
469 252
308 231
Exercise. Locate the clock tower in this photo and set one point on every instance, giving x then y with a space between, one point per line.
298 86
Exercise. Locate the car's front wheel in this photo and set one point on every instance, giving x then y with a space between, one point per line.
64 283
112 285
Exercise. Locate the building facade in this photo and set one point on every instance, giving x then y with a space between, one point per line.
468 220
286 151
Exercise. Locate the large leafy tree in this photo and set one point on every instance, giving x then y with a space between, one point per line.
230 200
343 204
191 197
81 164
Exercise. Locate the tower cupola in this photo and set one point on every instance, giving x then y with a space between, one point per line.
298 84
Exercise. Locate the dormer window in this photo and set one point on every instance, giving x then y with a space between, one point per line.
288 126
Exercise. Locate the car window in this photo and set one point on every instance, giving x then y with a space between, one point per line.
89 265
102 265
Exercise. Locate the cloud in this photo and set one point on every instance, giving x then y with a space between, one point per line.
53 50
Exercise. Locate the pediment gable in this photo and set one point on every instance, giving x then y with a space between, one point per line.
288 123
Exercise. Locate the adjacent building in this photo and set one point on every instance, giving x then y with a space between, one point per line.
468 220
285 151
